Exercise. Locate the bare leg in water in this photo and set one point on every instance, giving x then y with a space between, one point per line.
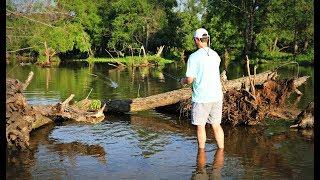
218 163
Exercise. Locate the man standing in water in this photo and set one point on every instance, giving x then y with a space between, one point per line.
207 96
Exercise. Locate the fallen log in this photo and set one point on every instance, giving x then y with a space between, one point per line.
240 107
21 118
175 96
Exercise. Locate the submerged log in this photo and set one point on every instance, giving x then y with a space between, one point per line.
175 96
21 118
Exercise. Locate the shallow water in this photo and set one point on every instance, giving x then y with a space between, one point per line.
150 145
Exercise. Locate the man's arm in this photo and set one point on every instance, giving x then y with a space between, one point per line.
186 80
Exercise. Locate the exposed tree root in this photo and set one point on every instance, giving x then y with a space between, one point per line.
241 107
22 118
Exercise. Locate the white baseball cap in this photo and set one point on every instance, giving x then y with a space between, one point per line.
201 33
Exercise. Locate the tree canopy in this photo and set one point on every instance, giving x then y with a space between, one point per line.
265 29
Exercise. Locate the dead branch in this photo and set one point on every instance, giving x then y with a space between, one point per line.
250 79
66 103
160 51
28 80
19 14
19 49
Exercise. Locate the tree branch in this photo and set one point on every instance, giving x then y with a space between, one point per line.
19 49
19 14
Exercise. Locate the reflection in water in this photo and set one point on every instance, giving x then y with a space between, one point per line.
152 133
149 146
215 171
27 160
218 163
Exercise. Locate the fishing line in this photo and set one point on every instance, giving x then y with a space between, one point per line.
294 62
113 83
170 75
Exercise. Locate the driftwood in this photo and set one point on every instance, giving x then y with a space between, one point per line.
241 107
175 96
22 118
306 118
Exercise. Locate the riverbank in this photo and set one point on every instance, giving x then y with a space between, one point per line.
131 60
279 57
126 61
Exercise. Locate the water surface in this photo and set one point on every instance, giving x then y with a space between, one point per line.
151 145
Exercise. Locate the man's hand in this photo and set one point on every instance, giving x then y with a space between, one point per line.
181 81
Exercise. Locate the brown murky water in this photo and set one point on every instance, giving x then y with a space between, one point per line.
151 145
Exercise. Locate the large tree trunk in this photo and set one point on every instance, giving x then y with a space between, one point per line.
172 97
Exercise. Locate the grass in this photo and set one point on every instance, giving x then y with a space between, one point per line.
131 60
273 57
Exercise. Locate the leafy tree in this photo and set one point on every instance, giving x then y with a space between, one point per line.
56 28
134 23
289 26
85 13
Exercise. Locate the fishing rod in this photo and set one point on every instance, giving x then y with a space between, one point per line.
113 84
170 75
173 77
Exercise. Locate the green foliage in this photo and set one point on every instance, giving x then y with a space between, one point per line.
287 23
61 38
86 16
132 60
95 104
266 29
133 23
224 35
189 23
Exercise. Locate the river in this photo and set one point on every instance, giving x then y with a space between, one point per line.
151 145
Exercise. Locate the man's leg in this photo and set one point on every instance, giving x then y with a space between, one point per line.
219 135
201 134
201 160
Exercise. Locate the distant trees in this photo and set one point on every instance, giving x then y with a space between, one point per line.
50 29
260 28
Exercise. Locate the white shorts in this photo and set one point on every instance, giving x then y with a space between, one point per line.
202 113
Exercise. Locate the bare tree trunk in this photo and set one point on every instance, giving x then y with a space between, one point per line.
47 52
147 37
295 49
249 76
160 49
143 50
275 44
226 59
305 47
249 34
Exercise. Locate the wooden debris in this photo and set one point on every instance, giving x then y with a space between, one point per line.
22 118
306 118
172 97
240 107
